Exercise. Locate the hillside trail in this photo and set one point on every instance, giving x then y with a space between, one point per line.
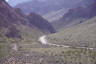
31 57
44 41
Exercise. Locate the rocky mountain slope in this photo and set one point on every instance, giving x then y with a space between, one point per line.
76 16
55 15
40 22
16 27
11 17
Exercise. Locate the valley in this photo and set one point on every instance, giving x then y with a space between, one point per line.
48 32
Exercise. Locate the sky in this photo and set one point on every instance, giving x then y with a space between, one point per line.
7 0
15 2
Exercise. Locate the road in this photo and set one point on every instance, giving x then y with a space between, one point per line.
15 47
44 41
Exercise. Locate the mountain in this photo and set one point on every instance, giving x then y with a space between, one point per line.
46 6
76 16
40 22
16 27
77 28
55 15
10 17
81 35
19 34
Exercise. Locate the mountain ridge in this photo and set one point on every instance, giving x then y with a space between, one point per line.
50 5
16 28
75 16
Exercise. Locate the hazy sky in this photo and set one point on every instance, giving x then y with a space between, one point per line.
7 0
14 2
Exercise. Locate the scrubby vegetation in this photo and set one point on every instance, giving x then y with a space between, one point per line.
83 35
56 55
